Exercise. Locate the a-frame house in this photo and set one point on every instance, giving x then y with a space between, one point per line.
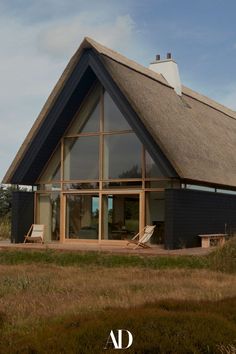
116 148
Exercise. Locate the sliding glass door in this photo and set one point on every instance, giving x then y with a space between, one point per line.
119 219
48 214
82 214
120 216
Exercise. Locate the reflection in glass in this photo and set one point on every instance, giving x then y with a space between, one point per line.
87 119
122 156
92 124
200 188
49 187
82 212
49 215
88 185
226 191
159 184
155 215
120 185
152 170
81 159
53 169
113 118
120 216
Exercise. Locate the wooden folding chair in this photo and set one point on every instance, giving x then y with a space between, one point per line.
142 242
35 233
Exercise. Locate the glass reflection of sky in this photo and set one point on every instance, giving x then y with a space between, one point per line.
95 203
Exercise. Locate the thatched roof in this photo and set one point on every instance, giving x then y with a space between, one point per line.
196 134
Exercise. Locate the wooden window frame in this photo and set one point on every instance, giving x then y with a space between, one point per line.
100 191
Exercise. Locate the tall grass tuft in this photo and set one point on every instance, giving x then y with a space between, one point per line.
224 258
5 228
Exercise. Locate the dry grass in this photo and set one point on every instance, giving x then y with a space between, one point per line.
5 228
31 292
226 349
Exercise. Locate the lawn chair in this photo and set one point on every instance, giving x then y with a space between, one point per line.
142 242
35 234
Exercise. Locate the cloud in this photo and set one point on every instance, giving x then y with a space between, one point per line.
45 11
63 37
33 56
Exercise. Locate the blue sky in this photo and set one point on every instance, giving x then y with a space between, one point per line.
38 38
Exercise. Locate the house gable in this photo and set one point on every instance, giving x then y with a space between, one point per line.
88 70
95 146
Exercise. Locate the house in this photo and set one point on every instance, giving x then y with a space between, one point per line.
118 146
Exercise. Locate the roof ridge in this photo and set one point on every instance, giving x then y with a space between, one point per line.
142 73
122 59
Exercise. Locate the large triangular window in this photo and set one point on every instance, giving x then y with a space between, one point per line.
151 168
100 145
52 171
113 118
87 119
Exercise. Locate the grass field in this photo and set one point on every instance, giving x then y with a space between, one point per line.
68 302
5 228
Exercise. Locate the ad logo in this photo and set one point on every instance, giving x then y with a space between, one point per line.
117 343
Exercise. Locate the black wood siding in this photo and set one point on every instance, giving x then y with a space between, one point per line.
190 213
22 215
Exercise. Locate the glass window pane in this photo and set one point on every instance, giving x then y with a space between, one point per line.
121 185
120 216
159 184
226 191
155 215
76 186
48 208
49 187
81 159
117 162
92 124
113 118
152 170
87 119
200 188
82 212
53 169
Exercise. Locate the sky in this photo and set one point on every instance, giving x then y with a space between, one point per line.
38 37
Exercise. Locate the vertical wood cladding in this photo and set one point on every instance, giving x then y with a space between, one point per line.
190 213
22 215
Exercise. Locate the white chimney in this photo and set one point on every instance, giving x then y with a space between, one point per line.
169 69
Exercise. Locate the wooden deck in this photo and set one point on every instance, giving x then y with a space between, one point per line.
113 249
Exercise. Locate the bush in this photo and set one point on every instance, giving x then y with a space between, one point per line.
6 200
